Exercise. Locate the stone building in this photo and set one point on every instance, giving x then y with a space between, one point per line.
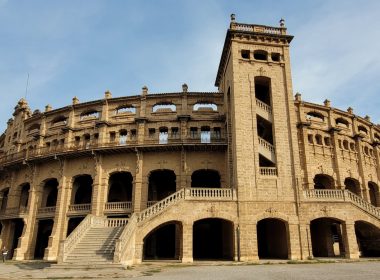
249 172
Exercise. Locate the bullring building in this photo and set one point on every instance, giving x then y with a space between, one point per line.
245 173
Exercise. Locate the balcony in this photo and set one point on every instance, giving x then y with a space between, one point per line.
46 212
268 171
264 110
118 207
79 209
267 150
13 213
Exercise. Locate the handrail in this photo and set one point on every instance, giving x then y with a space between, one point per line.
262 105
125 237
122 205
268 171
342 195
266 145
208 193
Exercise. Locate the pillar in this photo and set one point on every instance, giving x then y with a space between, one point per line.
139 200
350 242
248 242
97 199
294 242
305 241
187 242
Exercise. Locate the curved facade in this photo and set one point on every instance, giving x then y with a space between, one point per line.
244 173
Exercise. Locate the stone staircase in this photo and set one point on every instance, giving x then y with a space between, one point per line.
96 246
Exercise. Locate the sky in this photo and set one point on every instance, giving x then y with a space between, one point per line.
84 47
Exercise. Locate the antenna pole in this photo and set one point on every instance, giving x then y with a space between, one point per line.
27 84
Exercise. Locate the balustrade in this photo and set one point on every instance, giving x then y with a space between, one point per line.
123 206
265 107
75 208
268 171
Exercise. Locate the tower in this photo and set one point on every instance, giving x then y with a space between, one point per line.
254 73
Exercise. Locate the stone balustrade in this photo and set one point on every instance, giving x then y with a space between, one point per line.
116 207
266 145
263 106
210 193
13 212
79 208
268 171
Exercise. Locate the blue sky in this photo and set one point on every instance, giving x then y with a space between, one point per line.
82 48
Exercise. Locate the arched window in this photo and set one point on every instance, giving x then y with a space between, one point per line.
345 144
205 134
323 182
341 122
318 139
164 107
34 128
82 189
263 89
125 109
123 136
164 135
91 114
314 116
205 106
205 178
59 120
310 138
362 129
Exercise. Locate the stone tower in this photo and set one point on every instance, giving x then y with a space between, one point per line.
254 73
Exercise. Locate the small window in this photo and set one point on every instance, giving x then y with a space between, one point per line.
245 54
164 107
123 136
340 144
133 134
217 133
260 55
33 128
377 137
275 57
341 122
366 150
371 153
125 110
314 116
175 132
164 135
318 139
205 107
345 144
87 137
77 139
89 115
152 132
205 134
193 132
327 141
310 138
352 146
112 136
60 120
362 129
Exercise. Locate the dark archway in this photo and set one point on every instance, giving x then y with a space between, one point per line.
18 227
368 237
263 89
213 239
323 182
162 183
326 238
373 190
120 187
82 189
24 195
164 242
205 178
73 223
353 186
50 193
45 228
272 239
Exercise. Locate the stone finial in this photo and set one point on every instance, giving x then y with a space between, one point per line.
75 100
297 97
144 90
10 121
107 94
36 112
367 118
327 103
48 108
184 88
350 110
282 22
233 17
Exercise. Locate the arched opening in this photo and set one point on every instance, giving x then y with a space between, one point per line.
368 238
326 238
373 194
205 134
73 223
45 228
264 129
323 182
260 55
82 189
162 183
213 239
163 135
4 199
50 192
59 120
272 239
342 122
17 226
164 242
352 185
24 195
120 187
315 116
205 178
263 89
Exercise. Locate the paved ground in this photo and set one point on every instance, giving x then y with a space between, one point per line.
368 270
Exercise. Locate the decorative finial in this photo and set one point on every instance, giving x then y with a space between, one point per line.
144 90
282 22
107 94
367 118
184 88
350 110
298 96
48 108
327 103
233 17
75 100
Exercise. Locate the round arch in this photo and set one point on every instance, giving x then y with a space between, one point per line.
368 238
205 178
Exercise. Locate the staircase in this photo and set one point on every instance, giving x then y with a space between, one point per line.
97 246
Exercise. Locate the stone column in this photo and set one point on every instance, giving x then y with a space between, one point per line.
305 242
97 200
248 242
294 246
337 158
187 242
60 220
363 188
350 242
139 203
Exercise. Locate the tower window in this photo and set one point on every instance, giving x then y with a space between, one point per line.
275 57
260 55
245 54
